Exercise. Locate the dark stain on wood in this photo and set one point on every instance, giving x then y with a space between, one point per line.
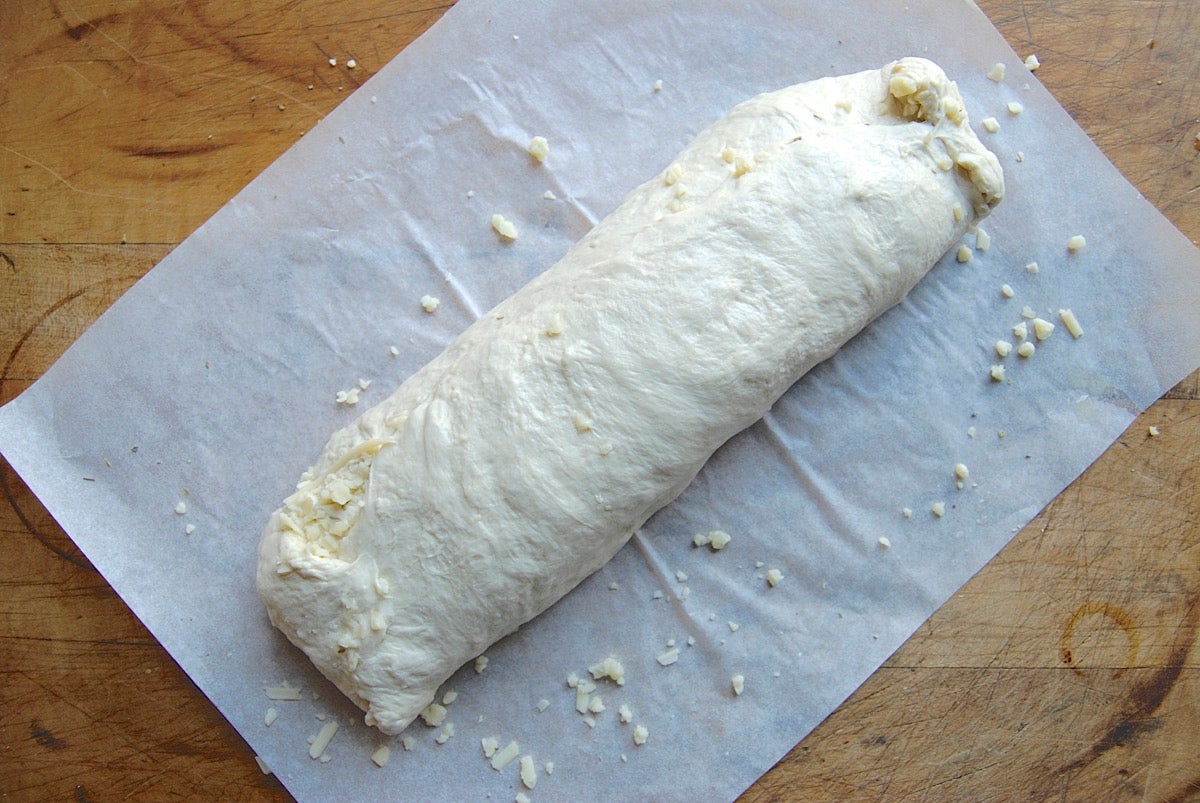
77 32
1136 717
44 737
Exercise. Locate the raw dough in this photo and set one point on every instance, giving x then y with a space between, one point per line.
518 461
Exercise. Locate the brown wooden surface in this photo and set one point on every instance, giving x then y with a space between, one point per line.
1066 669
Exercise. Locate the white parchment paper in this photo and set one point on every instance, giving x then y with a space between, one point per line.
212 382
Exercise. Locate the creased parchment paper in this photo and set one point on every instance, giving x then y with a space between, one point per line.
212 383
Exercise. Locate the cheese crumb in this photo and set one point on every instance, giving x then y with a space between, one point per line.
1071 322
1032 267
906 512
490 745
189 529
348 397
1076 244
521 796
774 577
718 539
408 743
351 64
1007 291
282 692
322 739
957 211
1032 62
1026 349
180 508
1020 331
1042 329
445 734
673 174
609 668
1015 107
528 772
433 715
1153 431
481 663
990 124
624 714
658 85
381 755
681 576
997 72
733 626
669 657
700 539
583 697
960 471
885 542
983 240
449 697
332 62
262 765
595 704
1028 313
739 684
429 303
542 705
505 757
938 509
504 227
549 767
640 735
963 255
996 372
539 149
1003 348
271 716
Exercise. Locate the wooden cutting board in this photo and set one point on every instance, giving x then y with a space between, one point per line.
1066 669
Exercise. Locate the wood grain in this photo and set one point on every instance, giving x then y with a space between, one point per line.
1066 669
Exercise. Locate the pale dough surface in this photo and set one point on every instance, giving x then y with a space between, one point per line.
519 461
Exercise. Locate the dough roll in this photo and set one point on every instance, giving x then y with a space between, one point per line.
520 460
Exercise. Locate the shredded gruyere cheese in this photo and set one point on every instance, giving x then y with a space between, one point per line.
1071 323
504 757
322 739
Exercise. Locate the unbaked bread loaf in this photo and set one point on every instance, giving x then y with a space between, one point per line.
518 461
